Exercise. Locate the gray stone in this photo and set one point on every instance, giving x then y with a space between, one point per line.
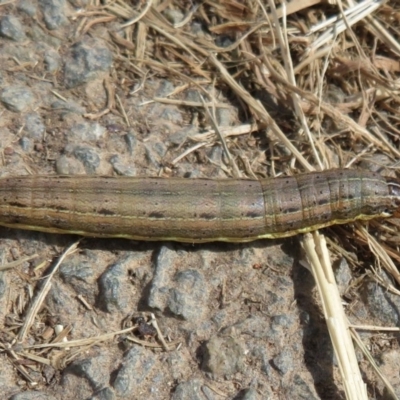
104 394
85 61
251 394
299 389
190 390
383 305
224 41
343 275
173 16
120 168
193 95
67 107
26 144
94 369
180 137
388 362
159 148
226 117
24 54
60 302
159 289
131 141
155 152
53 13
255 327
176 363
215 154
52 61
282 322
38 34
3 284
17 98
34 126
8 383
86 131
165 87
260 353
11 28
63 166
32 395
88 157
79 276
209 394
220 318
27 7
224 356
184 293
136 366
189 298
171 114
283 362
113 293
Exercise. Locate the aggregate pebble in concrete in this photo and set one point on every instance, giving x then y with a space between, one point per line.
104 394
8 385
28 7
34 127
183 293
52 61
61 302
89 158
386 360
300 389
173 16
136 366
159 290
64 166
154 153
114 291
343 275
190 390
26 144
86 132
64 108
94 370
54 13
85 61
131 141
180 136
3 284
254 326
224 356
251 394
11 28
17 98
188 298
176 363
383 305
79 276
120 168
284 361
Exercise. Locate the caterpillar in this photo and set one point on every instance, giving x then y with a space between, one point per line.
195 210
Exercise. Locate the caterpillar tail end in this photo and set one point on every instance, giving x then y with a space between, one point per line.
394 192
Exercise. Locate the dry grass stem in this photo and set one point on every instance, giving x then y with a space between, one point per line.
39 299
320 265
17 263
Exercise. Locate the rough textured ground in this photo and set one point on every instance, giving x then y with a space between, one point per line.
241 321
